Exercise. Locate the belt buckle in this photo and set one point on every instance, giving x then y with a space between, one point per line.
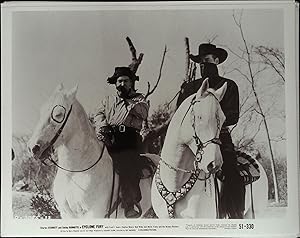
122 128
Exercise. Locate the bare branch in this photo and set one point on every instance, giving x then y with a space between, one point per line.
258 112
194 71
236 54
280 138
213 38
187 59
259 71
135 62
263 51
258 129
245 76
149 92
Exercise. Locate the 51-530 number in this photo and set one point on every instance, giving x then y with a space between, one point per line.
246 226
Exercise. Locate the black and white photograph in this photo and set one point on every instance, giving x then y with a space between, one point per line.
150 119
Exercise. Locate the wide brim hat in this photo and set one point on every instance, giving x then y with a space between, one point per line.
122 71
207 48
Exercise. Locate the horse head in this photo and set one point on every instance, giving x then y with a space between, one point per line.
53 117
201 126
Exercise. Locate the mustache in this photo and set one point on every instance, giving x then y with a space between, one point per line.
121 88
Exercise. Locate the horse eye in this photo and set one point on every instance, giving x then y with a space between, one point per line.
58 117
59 114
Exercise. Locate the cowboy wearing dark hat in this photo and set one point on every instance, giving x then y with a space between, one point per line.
118 122
233 190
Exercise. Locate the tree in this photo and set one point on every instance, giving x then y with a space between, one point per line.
254 110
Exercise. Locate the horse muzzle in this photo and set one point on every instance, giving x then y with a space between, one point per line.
35 149
212 167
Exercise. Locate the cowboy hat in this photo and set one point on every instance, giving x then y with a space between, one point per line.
122 71
207 48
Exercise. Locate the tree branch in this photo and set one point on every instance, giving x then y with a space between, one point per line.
187 59
149 92
135 62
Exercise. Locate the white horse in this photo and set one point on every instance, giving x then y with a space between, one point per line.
184 185
84 182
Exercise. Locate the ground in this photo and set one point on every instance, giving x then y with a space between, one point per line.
21 204
21 207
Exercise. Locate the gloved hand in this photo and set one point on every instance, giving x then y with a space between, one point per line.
105 134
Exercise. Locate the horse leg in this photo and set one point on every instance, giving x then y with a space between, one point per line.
65 211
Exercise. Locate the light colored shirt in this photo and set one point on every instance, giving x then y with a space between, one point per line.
114 111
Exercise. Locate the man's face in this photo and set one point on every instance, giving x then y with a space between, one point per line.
205 64
209 59
124 85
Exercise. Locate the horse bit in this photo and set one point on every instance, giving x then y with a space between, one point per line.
172 197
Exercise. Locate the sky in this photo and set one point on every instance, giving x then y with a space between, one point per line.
84 47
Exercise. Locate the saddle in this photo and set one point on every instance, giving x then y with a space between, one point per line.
145 165
247 167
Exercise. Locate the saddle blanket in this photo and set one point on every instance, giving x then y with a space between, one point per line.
247 166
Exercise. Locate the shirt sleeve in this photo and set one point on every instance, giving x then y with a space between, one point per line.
138 112
100 115
230 105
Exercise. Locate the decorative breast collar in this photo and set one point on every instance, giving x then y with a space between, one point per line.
172 197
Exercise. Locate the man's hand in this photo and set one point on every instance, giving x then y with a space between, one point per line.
105 134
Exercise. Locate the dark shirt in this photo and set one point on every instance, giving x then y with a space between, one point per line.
229 103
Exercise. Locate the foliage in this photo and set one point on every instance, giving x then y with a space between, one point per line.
29 170
159 117
43 206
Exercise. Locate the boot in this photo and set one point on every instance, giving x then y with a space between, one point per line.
130 212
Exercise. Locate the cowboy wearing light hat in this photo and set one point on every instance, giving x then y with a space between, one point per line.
233 191
118 121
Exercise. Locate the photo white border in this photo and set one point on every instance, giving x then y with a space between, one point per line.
287 226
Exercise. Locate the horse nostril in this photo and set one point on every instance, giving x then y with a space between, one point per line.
35 149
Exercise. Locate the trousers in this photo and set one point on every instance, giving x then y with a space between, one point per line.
232 199
125 152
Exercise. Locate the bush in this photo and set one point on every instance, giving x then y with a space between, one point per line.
29 170
44 206
159 117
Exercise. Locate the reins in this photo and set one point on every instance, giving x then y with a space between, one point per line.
68 170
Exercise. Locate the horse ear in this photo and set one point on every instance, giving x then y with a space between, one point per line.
72 93
221 92
59 87
203 88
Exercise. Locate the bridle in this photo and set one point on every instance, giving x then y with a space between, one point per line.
171 197
200 145
57 134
